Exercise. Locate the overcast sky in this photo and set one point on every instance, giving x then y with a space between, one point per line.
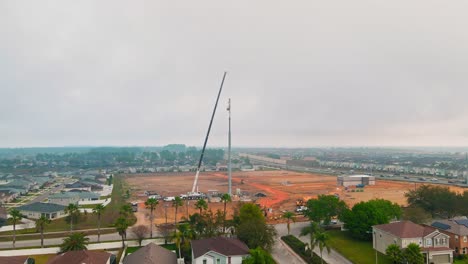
300 73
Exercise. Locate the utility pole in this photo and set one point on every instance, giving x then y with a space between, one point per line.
229 150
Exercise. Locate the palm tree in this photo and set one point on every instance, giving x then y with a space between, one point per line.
15 218
98 210
311 230
289 216
74 241
176 237
176 203
322 240
201 205
40 224
394 253
121 225
151 204
72 211
225 198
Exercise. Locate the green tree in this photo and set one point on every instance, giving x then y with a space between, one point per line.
126 210
289 216
322 240
394 253
40 224
121 225
325 207
416 215
412 254
360 219
74 241
259 256
225 198
176 204
15 218
73 213
151 204
312 231
201 205
437 200
98 209
253 229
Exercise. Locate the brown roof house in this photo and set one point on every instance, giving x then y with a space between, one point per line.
434 244
219 250
457 229
83 257
16 260
151 254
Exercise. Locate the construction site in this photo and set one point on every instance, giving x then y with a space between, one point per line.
275 191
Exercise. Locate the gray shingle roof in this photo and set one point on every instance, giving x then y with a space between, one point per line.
42 207
223 245
151 254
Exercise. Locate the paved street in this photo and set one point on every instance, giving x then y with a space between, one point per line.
332 258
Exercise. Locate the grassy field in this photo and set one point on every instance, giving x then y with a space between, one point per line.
356 251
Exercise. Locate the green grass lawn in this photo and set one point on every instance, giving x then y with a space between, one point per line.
356 251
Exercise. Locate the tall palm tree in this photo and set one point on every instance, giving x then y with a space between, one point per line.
311 230
121 224
177 237
72 211
40 224
322 240
176 203
225 198
290 217
98 211
74 241
201 205
15 218
151 204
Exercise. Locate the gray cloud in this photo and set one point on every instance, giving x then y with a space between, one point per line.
301 73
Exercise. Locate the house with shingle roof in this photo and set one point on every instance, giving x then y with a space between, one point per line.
83 257
16 260
457 229
66 198
219 250
433 243
151 254
36 210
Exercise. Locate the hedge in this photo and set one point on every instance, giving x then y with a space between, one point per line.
299 247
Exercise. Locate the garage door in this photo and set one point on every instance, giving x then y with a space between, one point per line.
441 259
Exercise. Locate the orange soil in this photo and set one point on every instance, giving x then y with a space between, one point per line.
282 188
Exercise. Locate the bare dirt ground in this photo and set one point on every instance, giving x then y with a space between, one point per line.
282 188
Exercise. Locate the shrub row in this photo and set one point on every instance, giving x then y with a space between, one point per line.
299 247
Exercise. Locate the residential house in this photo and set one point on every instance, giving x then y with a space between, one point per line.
83 256
457 229
219 250
73 196
36 210
434 244
78 186
16 260
151 254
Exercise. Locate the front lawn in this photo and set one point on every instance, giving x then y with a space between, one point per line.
356 251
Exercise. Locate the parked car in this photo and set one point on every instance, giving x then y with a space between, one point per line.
169 199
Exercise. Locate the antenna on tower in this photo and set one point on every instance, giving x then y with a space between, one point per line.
229 150
195 182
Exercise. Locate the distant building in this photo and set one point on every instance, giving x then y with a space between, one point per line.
353 180
218 250
36 210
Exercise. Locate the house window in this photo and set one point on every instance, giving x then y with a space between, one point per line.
456 238
229 260
464 250
204 261
464 239
428 242
218 261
